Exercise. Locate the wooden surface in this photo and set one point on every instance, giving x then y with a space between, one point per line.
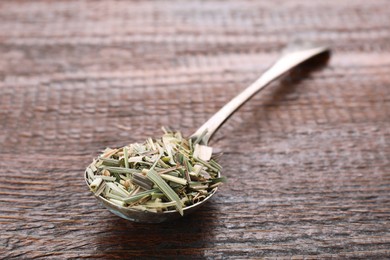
307 160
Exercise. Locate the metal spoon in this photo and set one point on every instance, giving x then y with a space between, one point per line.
295 55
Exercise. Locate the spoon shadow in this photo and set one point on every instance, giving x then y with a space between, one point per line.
290 81
189 235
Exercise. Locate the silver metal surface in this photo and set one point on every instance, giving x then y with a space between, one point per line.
288 61
293 55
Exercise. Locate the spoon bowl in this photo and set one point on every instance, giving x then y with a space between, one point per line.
148 216
292 58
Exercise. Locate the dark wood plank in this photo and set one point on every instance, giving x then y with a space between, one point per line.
307 160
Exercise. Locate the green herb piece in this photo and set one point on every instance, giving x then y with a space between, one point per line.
107 178
110 162
92 166
215 165
108 152
114 196
126 156
217 180
169 170
100 189
118 202
136 159
198 185
90 173
120 170
208 165
117 189
164 187
140 195
95 184
142 181
174 179
157 195
158 204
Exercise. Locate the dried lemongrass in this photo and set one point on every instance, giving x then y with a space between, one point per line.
178 180
166 189
114 196
142 181
106 172
100 189
140 195
107 178
117 202
110 162
90 173
198 198
203 152
126 156
157 203
120 170
168 173
95 184
117 189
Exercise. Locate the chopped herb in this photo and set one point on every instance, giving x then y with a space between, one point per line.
167 173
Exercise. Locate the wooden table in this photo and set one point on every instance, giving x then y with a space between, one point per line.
307 160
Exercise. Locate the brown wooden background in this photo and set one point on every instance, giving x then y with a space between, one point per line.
307 160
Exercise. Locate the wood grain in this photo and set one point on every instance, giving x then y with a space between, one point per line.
307 160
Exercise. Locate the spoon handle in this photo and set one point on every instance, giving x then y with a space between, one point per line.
284 64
